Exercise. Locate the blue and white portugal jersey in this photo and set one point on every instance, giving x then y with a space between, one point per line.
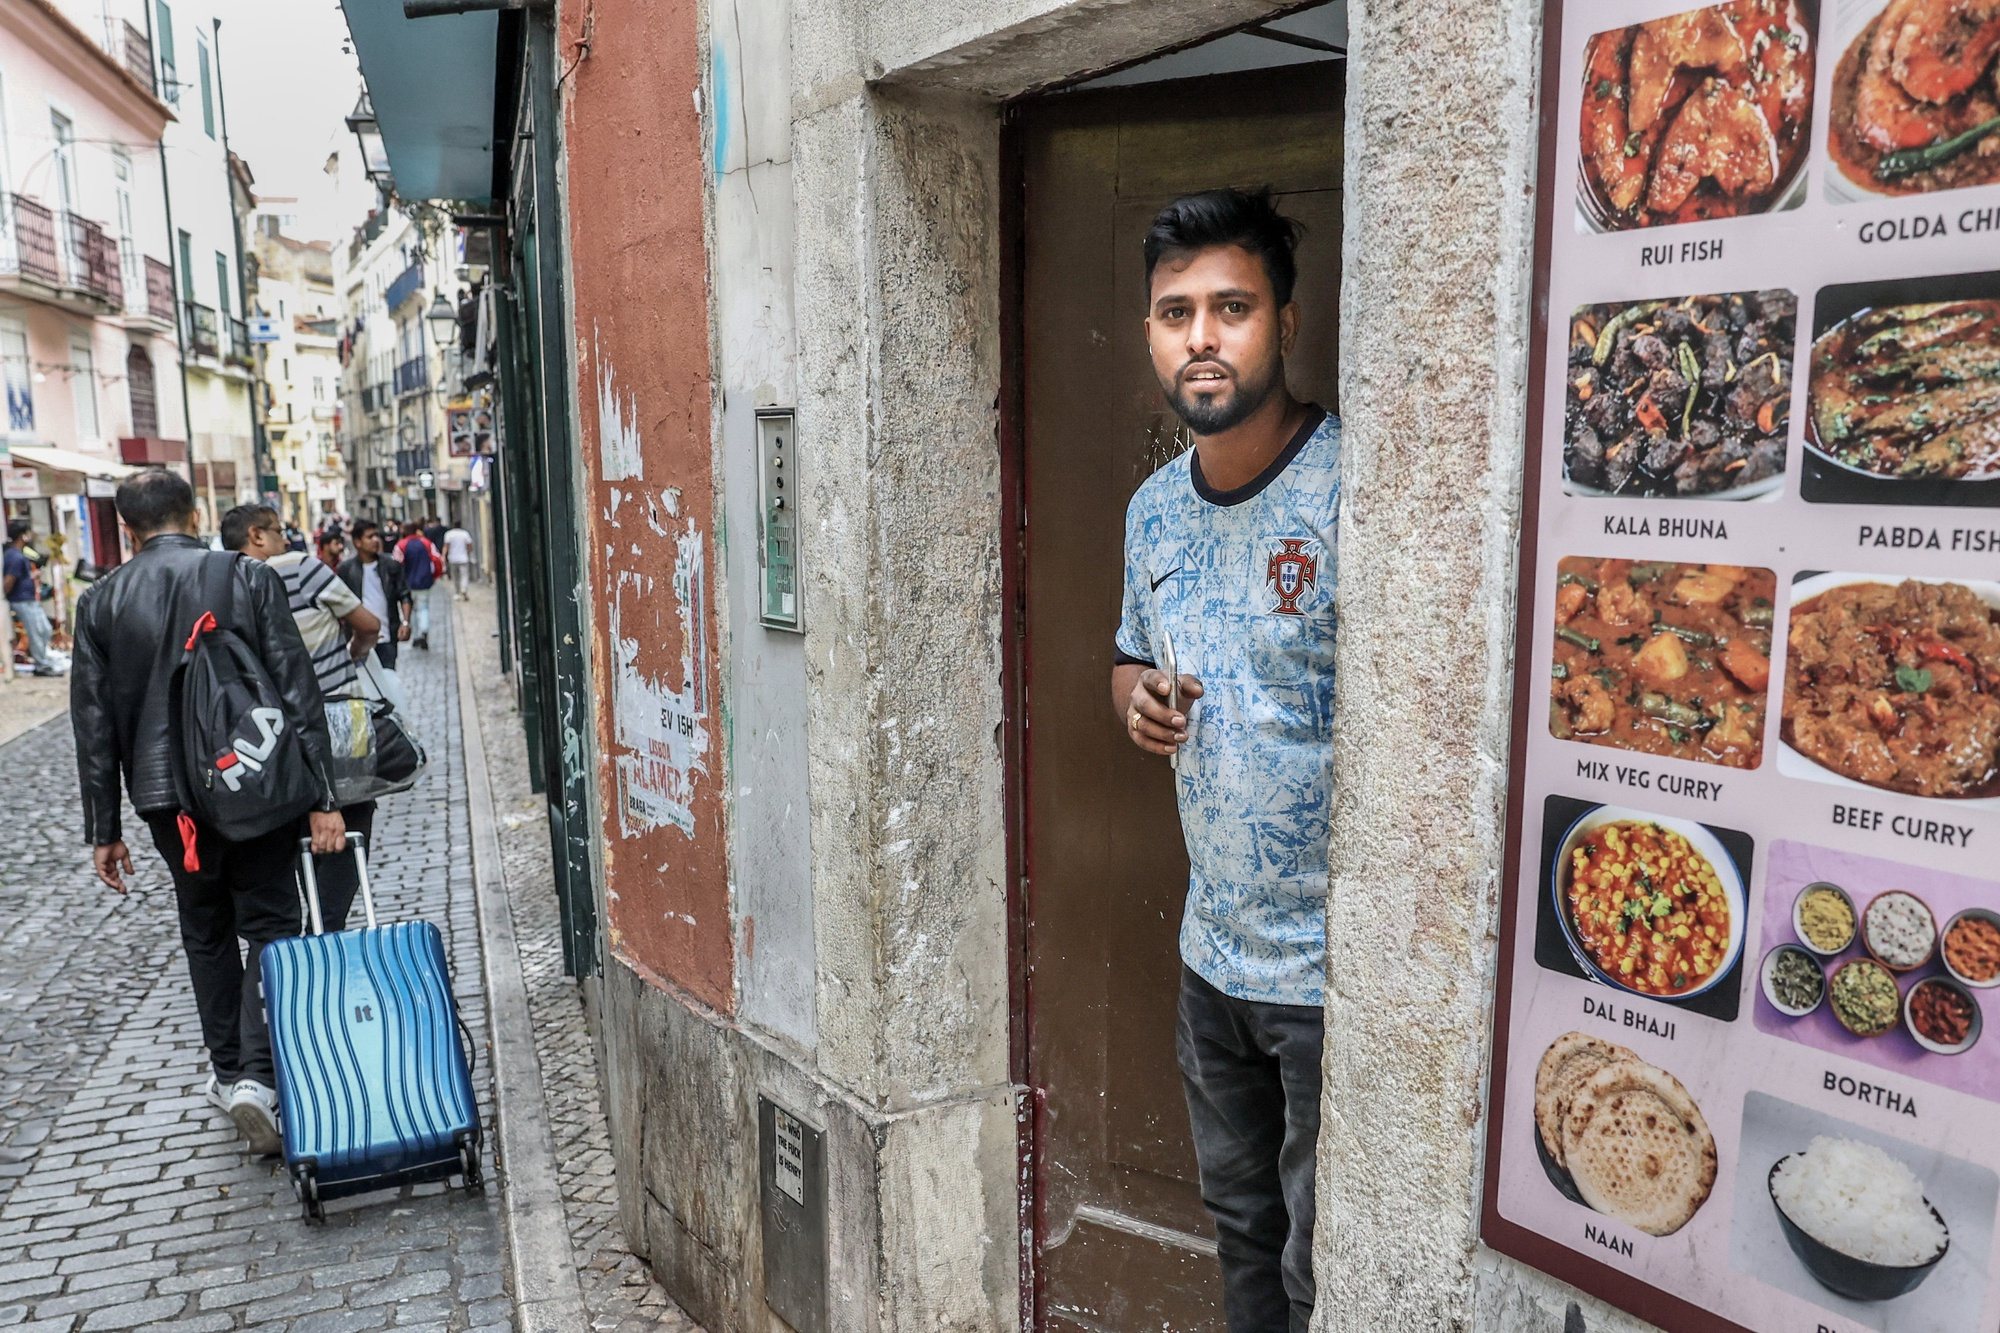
1244 581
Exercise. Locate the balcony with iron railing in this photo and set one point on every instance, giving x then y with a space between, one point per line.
28 240
71 256
159 291
413 376
92 259
237 349
199 329
131 49
408 283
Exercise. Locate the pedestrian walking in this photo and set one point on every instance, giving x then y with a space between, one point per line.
422 563
131 628
338 632
1224 662
434 531
377 579
458 558
24 598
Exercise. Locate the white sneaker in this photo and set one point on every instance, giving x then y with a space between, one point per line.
215 1096
254 1108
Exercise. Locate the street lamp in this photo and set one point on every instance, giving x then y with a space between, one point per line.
443 319
374 152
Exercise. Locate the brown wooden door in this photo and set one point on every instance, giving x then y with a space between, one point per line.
1121 1237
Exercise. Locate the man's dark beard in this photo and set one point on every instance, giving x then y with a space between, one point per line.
1219 414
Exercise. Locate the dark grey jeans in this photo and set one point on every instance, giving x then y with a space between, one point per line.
1252 1076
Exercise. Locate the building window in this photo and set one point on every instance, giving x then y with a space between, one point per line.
17 376
128 248
187 268
145 399
207 95
170 87
83 383
221 284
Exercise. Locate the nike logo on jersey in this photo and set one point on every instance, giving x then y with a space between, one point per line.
1164 577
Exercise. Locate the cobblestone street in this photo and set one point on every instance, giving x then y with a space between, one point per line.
125 1200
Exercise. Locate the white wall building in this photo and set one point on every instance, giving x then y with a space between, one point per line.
394 420
201 200
300 370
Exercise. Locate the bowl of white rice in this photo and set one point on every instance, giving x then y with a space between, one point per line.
1857 1219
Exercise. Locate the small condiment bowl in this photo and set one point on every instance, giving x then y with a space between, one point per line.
1768 978
1842 1018
1861 930
1985 914
1798 919
1938 1047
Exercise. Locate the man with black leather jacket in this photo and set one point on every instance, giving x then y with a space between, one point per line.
377 579
130 630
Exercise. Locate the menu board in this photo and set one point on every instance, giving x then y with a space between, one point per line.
1751 922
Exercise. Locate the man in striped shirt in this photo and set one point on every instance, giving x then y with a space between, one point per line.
339 632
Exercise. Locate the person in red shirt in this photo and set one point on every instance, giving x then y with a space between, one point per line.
421 566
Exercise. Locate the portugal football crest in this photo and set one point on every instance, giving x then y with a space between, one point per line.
1290 573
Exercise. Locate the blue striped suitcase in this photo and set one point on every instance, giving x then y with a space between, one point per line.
374 1088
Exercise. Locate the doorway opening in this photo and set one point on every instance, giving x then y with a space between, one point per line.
1120 1238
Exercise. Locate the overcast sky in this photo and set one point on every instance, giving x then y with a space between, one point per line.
290 82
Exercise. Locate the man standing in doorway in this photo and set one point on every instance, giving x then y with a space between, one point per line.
338 631
458 556
130 630
1229 575
24 597
377 579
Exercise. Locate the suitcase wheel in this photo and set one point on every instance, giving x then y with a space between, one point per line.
306 1182
468 1167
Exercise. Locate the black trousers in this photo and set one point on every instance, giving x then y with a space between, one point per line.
1251 1072
245 891
338 877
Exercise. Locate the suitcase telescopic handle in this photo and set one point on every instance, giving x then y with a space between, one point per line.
355 841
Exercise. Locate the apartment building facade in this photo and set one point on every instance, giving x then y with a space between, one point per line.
297 307
88 352
392 388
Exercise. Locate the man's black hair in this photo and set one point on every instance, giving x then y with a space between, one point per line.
18 528
155 500
330 538
1228 217
362 527
240 522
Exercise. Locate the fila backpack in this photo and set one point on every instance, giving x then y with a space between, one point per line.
240 767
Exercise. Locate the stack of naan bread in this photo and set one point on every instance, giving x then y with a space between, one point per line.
1626 1131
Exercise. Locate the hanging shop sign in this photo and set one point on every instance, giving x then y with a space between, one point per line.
470 421
1751 919
20 483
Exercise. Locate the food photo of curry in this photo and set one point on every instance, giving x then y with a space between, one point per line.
1699 115
1663 658
1916 98
1687 397
1896 684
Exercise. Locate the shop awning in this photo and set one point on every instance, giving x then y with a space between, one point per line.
431 82
68 460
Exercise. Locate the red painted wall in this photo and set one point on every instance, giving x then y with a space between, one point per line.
634 158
